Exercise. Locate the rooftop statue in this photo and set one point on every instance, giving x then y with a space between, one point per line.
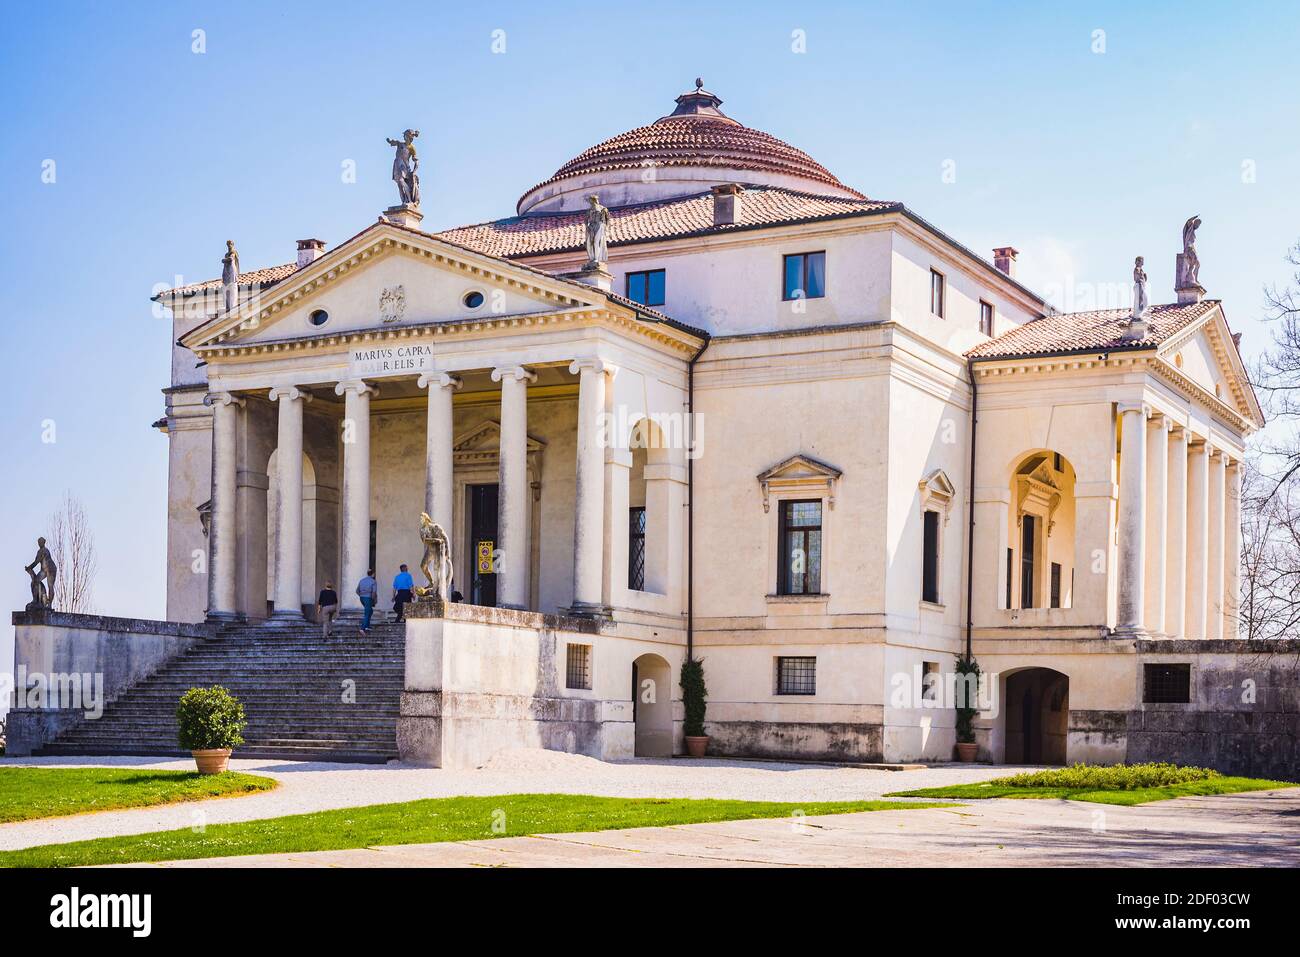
597 233
405 164
1140 300
1191 263
230 276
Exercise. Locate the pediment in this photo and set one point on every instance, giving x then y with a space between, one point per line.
937 491
484 440
801 473
386 278
1206 356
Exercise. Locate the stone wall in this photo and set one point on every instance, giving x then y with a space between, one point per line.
99 656
481 680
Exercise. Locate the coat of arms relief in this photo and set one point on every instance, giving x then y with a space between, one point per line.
392 303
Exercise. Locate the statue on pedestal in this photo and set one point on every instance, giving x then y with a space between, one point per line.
1140 300
230 276
43 583
597 233
436 562
1189 263
405 164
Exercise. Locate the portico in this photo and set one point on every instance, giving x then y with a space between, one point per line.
519 400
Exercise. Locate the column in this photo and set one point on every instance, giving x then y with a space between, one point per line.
1176 552
1214 548
439 439
288 520
354 547
512 492
589 508
1157 521
1198 529
221 527
1232 552
1132 517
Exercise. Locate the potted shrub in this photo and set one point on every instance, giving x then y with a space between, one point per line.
694 695
211 721
966 746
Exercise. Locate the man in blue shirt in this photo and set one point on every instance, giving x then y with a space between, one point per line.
403 583
367 591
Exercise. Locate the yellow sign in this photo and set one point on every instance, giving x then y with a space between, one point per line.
485 550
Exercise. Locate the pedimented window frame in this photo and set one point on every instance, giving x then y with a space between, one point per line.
799 477
937 494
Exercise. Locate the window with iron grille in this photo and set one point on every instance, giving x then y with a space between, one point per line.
796 675
577 667
1167 683
800 536
636 548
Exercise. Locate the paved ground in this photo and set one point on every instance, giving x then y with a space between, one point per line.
1260 829
308 787
1243 830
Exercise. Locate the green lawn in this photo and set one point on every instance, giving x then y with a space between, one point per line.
1000 789
28 793
419 822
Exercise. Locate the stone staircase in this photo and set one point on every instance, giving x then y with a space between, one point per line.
292 684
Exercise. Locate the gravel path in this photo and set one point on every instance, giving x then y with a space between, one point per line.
308 787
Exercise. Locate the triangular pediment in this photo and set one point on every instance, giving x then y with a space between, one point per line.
485 439
802 474
1206 357
389 277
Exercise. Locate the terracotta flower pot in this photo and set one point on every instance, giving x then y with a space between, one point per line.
696 745
213 761
966 751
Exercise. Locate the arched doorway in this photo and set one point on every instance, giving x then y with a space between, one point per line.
1037 711
652 707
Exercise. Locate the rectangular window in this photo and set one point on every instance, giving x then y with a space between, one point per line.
800 541
636 548
1056 584
796 675
646 287
374 545
1167 683
1027 538
930 681
936 292
804 276
1010 566
986 318
577 667
930 561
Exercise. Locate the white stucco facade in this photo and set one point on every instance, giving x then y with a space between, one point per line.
1122 461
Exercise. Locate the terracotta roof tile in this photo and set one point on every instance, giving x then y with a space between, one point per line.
257 277
696 140
531 235
1102 329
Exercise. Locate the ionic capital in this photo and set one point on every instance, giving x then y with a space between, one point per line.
517 373
1124 408
357 386
290 392
222 398
590 363
441 380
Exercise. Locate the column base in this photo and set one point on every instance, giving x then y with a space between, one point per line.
584 609
285 616
1130 631
223 617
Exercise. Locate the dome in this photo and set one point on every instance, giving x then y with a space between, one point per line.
693 148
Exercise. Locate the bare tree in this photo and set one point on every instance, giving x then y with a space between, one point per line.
72 544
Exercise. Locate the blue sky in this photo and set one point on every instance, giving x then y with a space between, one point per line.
1080 159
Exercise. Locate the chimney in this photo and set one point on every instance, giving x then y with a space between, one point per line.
309 250
1004 258
726 204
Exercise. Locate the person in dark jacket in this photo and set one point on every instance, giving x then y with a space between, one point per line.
327 606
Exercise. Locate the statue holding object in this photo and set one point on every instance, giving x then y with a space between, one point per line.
436 563
43 583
